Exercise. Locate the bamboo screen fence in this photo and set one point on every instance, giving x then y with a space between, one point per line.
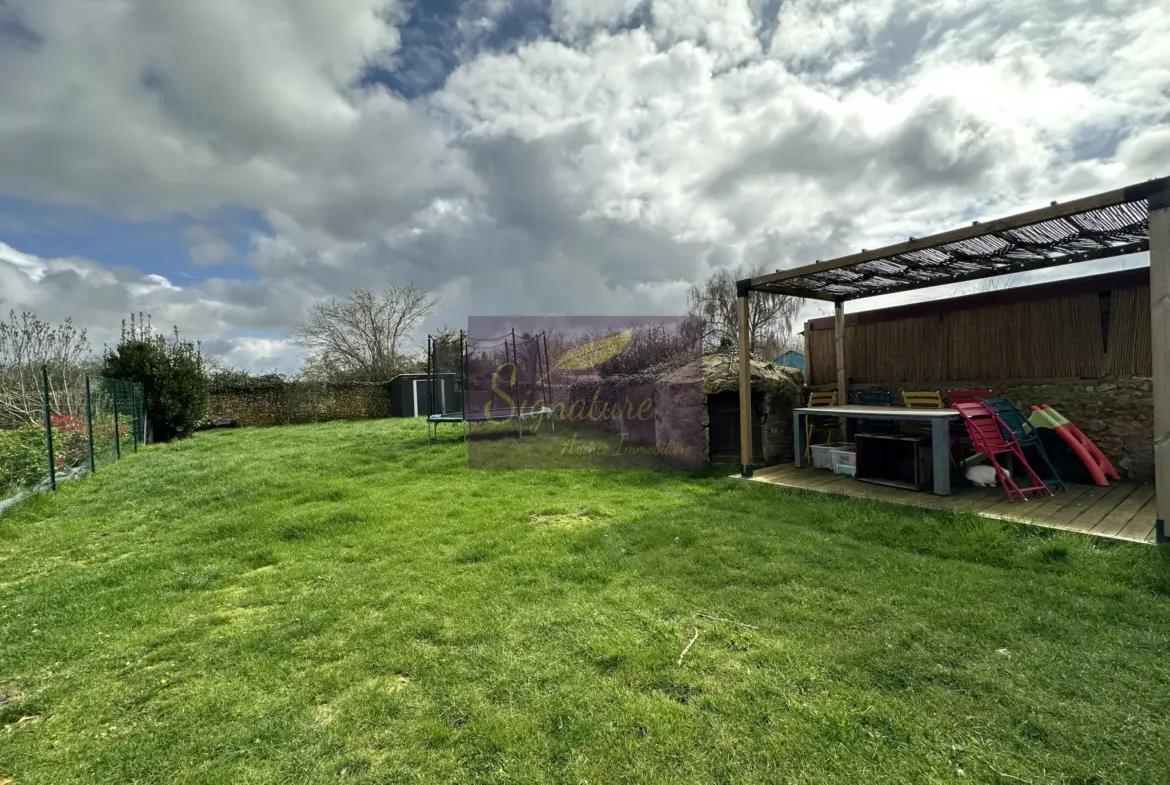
1061 337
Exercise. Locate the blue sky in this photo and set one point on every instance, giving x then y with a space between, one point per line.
159 246
531 156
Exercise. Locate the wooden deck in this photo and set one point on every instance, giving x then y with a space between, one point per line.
1123 511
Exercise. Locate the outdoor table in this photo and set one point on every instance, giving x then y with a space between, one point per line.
939 419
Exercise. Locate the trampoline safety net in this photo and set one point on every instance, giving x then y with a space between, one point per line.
473 378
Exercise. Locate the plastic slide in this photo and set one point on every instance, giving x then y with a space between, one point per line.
1100 469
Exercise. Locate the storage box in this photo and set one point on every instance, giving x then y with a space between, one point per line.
822 457
898 461
844 462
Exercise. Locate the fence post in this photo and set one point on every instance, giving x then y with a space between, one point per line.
117 436
89 422
134 421
49 427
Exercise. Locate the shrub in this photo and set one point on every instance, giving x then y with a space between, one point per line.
23 458
172 378
70 441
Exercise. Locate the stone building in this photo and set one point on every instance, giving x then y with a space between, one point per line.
706 393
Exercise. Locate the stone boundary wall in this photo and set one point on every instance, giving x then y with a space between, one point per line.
1116 412
300 402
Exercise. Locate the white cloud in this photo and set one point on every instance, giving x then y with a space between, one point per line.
600 172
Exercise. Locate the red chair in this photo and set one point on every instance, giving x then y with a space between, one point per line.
959 441
990 436
967 396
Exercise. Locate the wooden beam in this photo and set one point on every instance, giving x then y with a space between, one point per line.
1088 284
745 387
1125 195
807 333
1160 324
839 326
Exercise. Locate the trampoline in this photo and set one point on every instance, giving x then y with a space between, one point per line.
501 379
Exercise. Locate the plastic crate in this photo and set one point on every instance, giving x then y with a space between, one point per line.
822 454
844 462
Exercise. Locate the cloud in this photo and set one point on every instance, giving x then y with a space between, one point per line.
522 156
223 313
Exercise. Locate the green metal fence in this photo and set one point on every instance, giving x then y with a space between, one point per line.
81 424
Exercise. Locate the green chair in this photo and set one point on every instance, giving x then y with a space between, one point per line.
877 398
1028 437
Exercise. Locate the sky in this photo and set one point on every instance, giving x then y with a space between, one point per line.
222 165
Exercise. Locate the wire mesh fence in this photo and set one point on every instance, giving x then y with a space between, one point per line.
66 427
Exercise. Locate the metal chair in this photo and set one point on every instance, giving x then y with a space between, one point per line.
967 396
959 439
924 399
876 398
829 427
991 437
1026 435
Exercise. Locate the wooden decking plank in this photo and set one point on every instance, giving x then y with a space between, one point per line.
1097 511
820 477
976 499
1141 527
1033 510
1070 511
885 493
772 472
933 502
825 486
1048 508
1124 511
801 479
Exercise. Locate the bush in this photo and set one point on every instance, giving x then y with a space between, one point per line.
24 452
231 380
23 458
70 441
172 378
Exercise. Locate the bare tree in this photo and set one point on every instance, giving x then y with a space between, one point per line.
361 337
26 345
770 316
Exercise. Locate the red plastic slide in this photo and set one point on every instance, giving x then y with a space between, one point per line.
1099 467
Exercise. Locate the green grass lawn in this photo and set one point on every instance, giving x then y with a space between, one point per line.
344 602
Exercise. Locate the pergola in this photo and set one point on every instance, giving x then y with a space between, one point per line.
1125 221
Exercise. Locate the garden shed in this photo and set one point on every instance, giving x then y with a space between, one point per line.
410 393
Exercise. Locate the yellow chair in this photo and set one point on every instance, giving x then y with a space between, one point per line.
829 427
927 399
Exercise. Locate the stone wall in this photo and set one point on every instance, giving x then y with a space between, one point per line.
300 402
1117 412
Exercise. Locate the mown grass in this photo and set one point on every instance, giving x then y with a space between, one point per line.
345 602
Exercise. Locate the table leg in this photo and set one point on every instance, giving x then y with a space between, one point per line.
798 439
940 447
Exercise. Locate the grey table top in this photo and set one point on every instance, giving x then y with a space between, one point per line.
901 412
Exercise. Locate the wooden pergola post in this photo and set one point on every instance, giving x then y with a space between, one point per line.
839 328
743 292
807 335
1160 324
